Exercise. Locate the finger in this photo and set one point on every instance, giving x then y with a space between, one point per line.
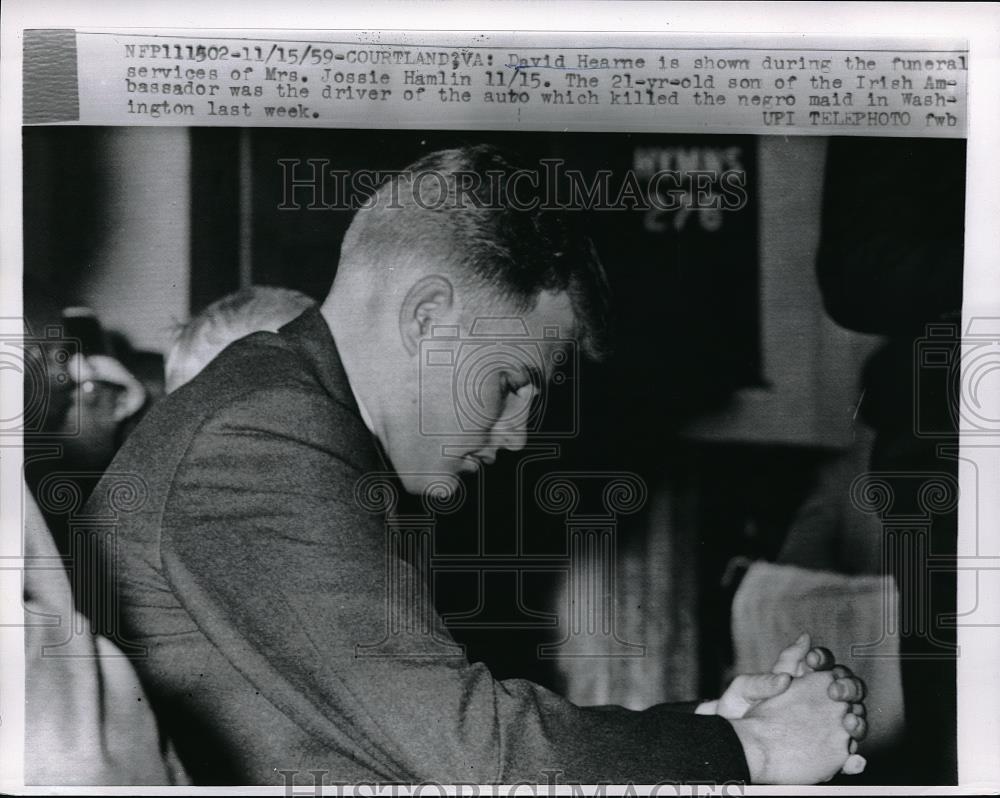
848 689
856 726
852 746
858 709
790 660
110 370
854 765
851 689
840 671
79 369
820 659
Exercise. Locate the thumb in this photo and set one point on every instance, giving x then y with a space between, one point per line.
791 660
761 686
745 692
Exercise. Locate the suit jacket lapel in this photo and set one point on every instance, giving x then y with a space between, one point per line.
310 334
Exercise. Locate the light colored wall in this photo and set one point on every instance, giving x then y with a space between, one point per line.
138 281
812 366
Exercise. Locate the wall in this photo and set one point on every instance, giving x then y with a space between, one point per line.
811 365
137 280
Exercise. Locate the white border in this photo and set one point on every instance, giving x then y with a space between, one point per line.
979 697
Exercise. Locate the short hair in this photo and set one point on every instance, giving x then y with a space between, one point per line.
456 207
236 315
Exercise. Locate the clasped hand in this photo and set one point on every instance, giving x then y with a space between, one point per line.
802 722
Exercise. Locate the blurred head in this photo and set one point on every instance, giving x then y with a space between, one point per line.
75 395
442 278
249 310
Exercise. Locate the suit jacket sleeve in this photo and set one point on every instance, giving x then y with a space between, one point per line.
266 546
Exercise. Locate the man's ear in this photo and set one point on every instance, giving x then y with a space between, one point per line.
427 302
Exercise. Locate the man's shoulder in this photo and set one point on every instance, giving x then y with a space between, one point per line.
247 367
264 382
258 362
261 383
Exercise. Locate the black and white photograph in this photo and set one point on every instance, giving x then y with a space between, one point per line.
362 449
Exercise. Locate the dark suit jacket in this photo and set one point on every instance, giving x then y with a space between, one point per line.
251 574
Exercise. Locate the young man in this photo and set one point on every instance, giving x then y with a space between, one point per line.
256 572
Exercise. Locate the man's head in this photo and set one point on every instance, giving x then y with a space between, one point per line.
76 394
248 310
452 307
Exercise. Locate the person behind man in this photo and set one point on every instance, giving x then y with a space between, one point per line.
77 396
251 309
87 719
890 263
283 640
